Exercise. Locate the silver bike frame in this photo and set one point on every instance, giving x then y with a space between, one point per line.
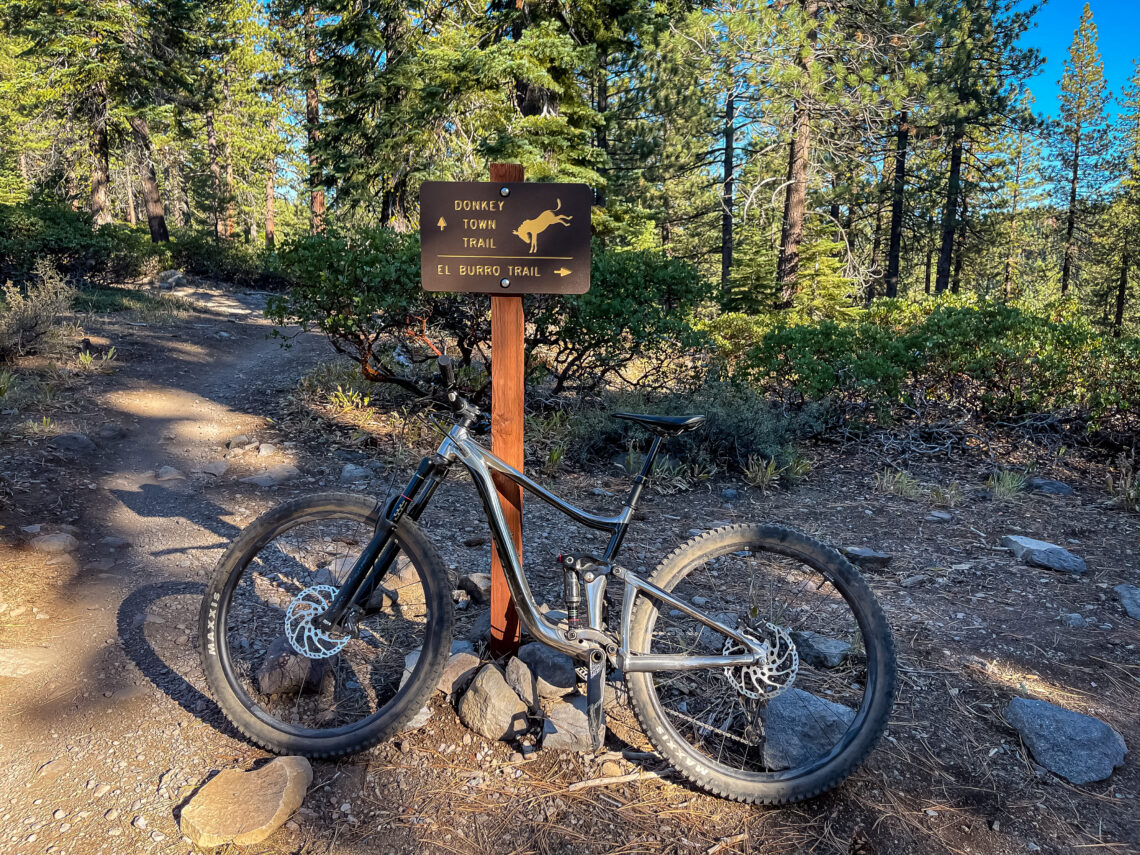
460 446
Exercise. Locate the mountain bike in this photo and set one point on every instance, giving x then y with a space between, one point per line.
756 658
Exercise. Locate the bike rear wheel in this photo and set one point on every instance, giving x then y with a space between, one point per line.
803 720
348 693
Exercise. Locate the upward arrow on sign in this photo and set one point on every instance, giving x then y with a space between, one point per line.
442 224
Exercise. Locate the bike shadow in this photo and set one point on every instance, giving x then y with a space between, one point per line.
176 679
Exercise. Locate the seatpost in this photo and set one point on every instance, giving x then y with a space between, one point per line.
639 479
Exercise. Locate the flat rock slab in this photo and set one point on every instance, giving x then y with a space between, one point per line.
1077 747
20 662
244 808
478 585
491 708
799 727
867 559
217 468
1049 487
554 672
820 651
273 476
1129 596
1041 553
74 443
55 544
567 726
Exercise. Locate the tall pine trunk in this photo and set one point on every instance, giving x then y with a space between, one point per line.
215 171
1121 293
795 197
898 189
152 198
726 197
100 156
602 138
1071 219
950 212
312 126
270 201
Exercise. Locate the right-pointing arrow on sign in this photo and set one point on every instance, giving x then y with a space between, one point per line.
562 271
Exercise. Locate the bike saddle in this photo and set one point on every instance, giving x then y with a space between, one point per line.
663 424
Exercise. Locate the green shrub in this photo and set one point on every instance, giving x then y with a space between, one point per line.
49 230
201 253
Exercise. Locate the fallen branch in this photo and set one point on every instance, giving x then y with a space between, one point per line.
618 779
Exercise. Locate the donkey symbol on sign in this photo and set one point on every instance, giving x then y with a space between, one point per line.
532 228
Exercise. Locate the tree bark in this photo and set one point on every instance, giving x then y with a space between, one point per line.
898 189
312 125
270 201
1071 219
100 156
603 135
1121 293
795 197
215 171
152 198
960 246
726 198
950 212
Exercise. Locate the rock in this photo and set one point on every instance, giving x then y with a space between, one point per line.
113 542
914 581
567 726
712 641
418 720
491 708
239 441
600 491
478 585
553 671
1077 747
273 476
266 449
284 670
729 494
476 541
1049 487
799 727
74 443
20 662
819 650
610 769
351 473
940 516
700 602
217 468
481 629
168 473
1074 620
110 431
1129 596
867 559
461 599
521 679
168 275
1040 553
246 807
457 673
55 544
410 660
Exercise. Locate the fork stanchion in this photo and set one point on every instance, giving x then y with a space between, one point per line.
507 334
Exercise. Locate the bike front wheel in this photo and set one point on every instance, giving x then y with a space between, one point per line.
797 723
298 691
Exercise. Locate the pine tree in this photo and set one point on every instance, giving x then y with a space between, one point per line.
1128 195
1083 132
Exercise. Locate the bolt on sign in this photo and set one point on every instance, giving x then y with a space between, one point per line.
490 237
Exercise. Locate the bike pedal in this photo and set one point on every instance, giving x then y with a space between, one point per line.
595 696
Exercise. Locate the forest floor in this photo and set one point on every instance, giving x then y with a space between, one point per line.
101 748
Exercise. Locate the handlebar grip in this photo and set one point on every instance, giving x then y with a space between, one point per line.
447 371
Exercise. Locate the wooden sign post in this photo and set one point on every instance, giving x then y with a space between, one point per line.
508 332
505 238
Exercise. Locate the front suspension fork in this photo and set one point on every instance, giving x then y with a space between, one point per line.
380 553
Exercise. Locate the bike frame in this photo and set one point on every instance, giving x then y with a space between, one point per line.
459 446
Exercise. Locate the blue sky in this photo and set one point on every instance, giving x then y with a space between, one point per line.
1118 26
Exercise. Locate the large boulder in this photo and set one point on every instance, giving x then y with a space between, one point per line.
244 808
1077 747
800 727
491 708
554 672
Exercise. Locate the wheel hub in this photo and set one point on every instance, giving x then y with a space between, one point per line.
771 676
305 637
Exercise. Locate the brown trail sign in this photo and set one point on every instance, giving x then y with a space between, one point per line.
505 238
